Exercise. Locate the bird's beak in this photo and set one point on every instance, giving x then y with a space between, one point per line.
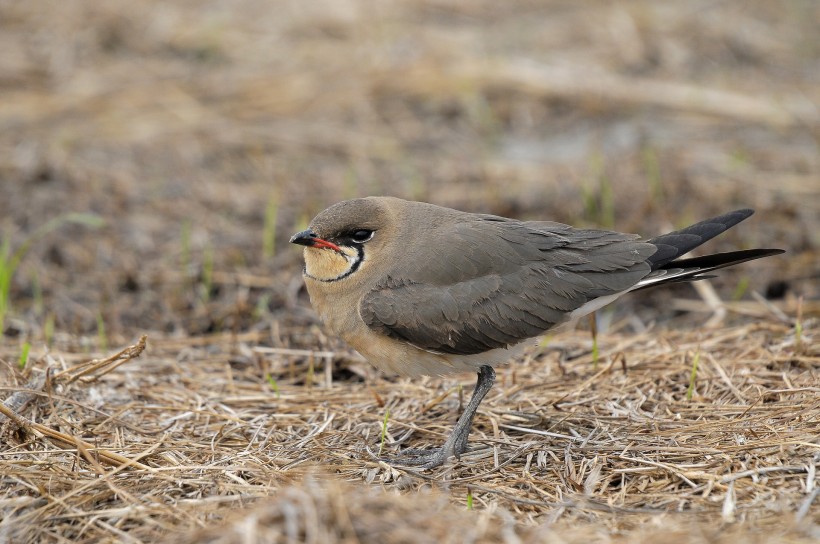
310 239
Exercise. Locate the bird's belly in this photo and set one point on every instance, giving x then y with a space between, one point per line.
398 357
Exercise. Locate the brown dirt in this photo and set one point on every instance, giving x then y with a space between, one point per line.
181 125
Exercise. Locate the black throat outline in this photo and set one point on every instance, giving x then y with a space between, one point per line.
357 261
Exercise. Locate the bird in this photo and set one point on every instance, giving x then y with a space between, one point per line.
420 289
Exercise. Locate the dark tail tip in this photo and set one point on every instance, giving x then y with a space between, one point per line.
722 260
673 245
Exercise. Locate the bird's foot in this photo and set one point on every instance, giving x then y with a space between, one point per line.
422 458
455 445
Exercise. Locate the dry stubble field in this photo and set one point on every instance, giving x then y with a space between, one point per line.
195 137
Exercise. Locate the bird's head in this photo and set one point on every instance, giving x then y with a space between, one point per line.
342 238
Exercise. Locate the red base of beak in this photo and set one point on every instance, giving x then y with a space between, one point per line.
308 238
318 242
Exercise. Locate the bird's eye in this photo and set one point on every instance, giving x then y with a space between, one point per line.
361 236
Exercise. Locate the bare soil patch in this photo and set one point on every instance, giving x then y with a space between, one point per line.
202 134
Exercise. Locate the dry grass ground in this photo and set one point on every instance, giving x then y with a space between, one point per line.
203 134
565 450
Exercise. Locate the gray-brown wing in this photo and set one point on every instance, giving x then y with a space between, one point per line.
501 282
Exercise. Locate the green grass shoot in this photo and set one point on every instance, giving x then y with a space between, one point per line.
262 305
273 385
24 356
598 195
739 159
10 259
269 231
384 429
595 353
37 293
590 199
48 329
607 201
652 170
185 245
692 375
416 182
480 111
593 326
7 268
469 499
741 288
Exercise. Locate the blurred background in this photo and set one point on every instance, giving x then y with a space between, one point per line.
190 139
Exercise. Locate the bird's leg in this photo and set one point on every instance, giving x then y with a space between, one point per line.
456 443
